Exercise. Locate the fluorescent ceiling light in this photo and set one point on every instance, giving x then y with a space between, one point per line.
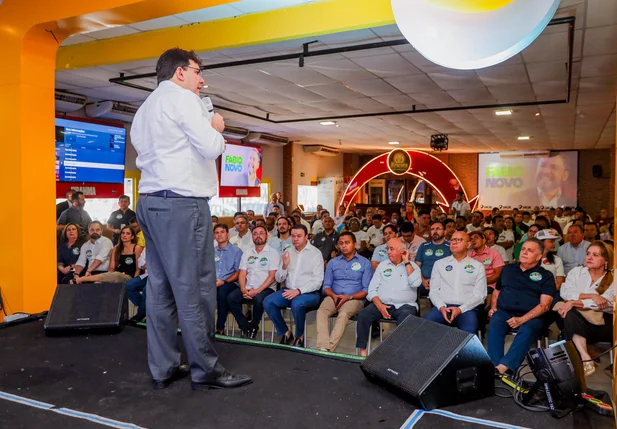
394 143
524 137
503 112
328 122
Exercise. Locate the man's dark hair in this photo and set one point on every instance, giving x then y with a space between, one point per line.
490 228
580 228
216 218
538 243
407 227
121 197
348 234
301 227
424 212
545 219
448 222
221 225
260 222
377 216
392 227
537 226
69 192
97 222
462 217
439 222
271 214
497 217
526 213
133 220
237 213
76 196
460 193
172 59
258 227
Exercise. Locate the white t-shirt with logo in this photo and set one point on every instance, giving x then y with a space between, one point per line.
507 236
375 235
259 265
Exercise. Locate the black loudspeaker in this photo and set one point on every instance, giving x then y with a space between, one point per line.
596 171
432 365
88 307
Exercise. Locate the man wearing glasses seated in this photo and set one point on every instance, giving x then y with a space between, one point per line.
243 239
458 287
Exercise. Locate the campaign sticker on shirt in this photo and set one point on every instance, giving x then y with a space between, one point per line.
118 216
448 267
75 250
129 261
88 253
382 252
263 261
323 238
535 276
217 258
252 259
439 252
287 246
414 249
429 252
356 266
469 269
487 262
387 272
545 261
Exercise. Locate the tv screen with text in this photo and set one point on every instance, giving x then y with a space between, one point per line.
241 166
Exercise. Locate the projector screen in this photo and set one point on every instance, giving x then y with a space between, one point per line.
508 181
241 166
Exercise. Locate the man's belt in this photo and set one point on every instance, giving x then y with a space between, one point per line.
169 194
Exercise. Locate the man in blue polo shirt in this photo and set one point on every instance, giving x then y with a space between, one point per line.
345 286
431 252
227 262
523 293
380 254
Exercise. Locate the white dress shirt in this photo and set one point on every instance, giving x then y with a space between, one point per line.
458 283
258 266
175 143
100 249
393 286
375 235
245 243
578 281
305 270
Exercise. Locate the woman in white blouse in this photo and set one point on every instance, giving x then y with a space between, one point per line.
588 293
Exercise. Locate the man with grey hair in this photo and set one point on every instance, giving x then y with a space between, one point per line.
243 239
392 291
273 203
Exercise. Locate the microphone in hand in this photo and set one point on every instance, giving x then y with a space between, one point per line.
215 119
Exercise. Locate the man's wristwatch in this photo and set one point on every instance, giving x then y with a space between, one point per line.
407 264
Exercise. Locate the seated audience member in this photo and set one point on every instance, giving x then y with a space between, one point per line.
561 218
521 227
591 232
271 225
491 234
410 240
345 287
361 237
458 287
381 252
233 231
141 240
603 219
367 222
316 215
297 215
341 215
227 264
257 281
302 271
531 233
243 239
408 212
318 224
123 261
392 292
505 238
260 222
429 253
375 233
95 253
394 218
527 220
490 259
68 252
476 222
282 241
250 216
120 218
588 294
574 252
326 240
524 292
509 225
433 213
75 214
423 226
215 221
578 215
550 260
136 289
461 223
450 228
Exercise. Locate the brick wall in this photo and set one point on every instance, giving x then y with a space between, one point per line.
465 166
594 193
289 197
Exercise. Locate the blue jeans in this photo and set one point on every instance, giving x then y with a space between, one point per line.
467 321
498 328
136 292
299 306
222 292
235 301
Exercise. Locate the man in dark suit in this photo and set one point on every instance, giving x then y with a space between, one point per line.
552 187
60 207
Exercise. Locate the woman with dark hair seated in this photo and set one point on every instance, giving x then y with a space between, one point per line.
123 263
588 293
68 251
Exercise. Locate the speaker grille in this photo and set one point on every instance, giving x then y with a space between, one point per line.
411 359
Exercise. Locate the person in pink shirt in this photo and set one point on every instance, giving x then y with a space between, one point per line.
489 258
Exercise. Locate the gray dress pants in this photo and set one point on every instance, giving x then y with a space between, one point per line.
181 288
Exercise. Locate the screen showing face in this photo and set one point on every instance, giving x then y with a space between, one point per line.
88 152
241 166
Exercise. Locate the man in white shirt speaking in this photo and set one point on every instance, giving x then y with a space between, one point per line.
177 140
458 287
302 271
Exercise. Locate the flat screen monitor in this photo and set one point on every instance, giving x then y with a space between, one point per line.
89 152
241 166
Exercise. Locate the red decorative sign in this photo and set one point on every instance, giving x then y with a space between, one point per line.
422 165
91 190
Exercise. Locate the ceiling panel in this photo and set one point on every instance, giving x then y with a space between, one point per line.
456 79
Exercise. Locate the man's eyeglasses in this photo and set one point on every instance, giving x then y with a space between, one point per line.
457 240
197 69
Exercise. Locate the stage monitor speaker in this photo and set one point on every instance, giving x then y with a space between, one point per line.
596 171
88 307
432 365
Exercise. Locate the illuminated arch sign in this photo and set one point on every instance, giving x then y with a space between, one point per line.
419 164
472 34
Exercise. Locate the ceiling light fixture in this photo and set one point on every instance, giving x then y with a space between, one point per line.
503 112
524 137
393 143
327 123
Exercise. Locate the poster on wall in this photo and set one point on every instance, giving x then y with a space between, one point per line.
329 192
240 171
513 180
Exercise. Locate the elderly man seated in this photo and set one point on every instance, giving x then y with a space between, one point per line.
392 291
458 287
345 286
524 292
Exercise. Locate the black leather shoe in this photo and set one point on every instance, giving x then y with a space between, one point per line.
180 372
287 340
252 334
224 381
137 319
298 342
246 333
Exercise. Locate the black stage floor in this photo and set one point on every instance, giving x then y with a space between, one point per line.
97 381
